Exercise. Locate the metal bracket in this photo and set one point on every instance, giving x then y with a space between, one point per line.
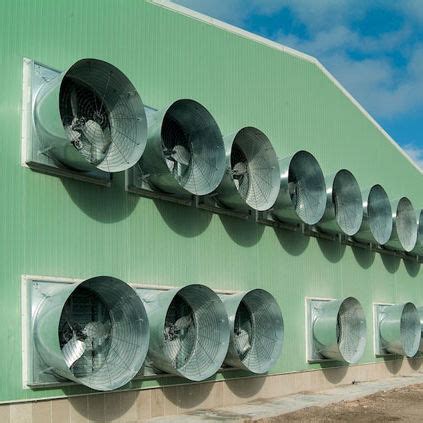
312 310
33 155
378 309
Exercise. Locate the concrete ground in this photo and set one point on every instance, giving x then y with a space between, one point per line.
393 399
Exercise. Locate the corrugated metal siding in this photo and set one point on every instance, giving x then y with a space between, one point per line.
60 227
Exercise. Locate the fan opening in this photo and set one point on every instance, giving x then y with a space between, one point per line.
306 186
85 332
379 214
406 224
410 330
244 326
179 332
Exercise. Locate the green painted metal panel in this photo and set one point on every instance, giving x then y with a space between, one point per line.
51 226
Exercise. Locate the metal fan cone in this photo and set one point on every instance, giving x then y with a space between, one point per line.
404 226
376 226
400 329
95 333
189 331
185 152
418 249
256 330
339 330
91 117
302 195
252 174
344 205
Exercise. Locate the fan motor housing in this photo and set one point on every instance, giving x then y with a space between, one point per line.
189 331
344 208
337 330
397 329
404 226
91 117
185 153
257 330
376 227
251 180
302 194
95 332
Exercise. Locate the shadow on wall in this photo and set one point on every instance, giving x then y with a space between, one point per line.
98 408
393 364
107 205
333 374
332 250
415 362
186 221
391 263
244 232
245 387
412 267
363 256
294 243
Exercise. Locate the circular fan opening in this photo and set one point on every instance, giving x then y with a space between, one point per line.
196 332
379 213
103 115
406 224
255 169
103 333
348 202
258 331
351 330
410 330
193 147
307 187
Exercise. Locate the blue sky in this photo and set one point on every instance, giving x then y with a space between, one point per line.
374 48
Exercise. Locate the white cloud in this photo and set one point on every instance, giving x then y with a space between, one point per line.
415 153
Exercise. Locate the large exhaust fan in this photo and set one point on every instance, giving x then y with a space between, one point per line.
400 329
189 331
339 330
418 249
257 330
344 207
302 195
91 117
95 333
185 153
404 226
376 227
252 171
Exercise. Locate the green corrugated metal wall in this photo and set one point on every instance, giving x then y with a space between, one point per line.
50 226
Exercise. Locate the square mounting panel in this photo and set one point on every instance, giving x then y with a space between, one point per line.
32 154
312 308
378 309
35 373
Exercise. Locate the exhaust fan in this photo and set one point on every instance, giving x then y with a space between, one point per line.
338 330
302 195
404 226
252 171
376 227
91 117
420 311
398 329
94 333
256 327
344 206
189 331
418 249
185 153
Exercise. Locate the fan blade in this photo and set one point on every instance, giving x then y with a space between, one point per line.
73 350
183 322
74 103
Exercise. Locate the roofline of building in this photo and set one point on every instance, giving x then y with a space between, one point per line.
277 46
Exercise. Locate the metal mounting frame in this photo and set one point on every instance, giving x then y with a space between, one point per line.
377 342
311 306
33 156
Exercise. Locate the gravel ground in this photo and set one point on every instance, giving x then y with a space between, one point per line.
399 405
